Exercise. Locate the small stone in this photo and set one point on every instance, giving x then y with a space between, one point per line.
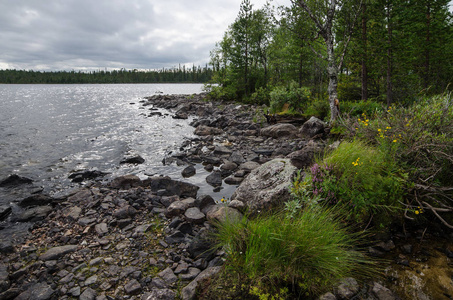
91 280
75 291
327 296
160 294
88 294
348 288
188 171
194 215
168 276
382 293
133 287
96 261
101 228
191 274
57 252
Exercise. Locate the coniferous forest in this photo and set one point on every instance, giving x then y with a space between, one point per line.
388 51
172 75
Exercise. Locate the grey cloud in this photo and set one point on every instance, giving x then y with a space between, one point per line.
73 34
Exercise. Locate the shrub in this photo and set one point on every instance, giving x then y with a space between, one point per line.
420 139
319 109
359 178
293 95
308 251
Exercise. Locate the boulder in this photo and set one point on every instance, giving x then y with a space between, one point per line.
34 214
214 179
14 180
220 213
125 182
36 200
279 130
188 171
312 127
267 186
305 157
194 215
90 174
171 187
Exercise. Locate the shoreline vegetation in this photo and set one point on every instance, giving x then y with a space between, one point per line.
166 75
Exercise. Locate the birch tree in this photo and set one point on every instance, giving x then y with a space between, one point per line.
323 15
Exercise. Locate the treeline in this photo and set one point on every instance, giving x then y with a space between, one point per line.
383 50
173 75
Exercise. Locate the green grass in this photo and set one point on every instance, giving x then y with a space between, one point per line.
309 251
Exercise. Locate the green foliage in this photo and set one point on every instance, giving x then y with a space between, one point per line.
260 96
319 109
308 251
357 108
360 178
420 139
293 95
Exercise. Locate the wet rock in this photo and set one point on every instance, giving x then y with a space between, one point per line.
133 160
188 171
385 246
125 182
233 180
214 179
194 215
58 252
35 200
34 214
15 180
84 175
212 160
236 204
5 210
312 127
172 187
267 186
181 115
279 130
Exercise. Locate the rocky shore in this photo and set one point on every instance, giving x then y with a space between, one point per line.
150 238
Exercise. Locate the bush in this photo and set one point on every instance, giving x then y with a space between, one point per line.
260 96
308 251
319 109
294 96
360 179
357 108
420 139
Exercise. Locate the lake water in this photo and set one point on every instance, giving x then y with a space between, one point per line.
50 131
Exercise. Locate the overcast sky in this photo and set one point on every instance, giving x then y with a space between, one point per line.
93 34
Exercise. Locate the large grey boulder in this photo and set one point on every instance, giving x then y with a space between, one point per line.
312 127
267 186
305 157
279 130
